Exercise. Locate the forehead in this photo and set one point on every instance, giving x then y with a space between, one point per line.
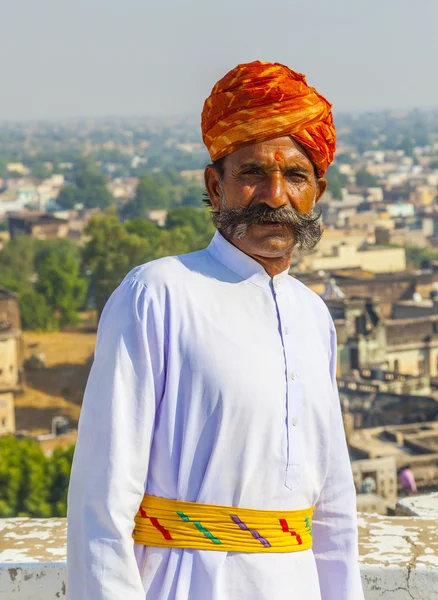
270 151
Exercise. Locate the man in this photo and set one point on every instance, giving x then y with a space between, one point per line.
407 479
211 415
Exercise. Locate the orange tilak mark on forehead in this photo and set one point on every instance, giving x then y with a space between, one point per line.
279 156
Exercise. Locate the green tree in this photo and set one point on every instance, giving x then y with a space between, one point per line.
3 166
192 196
68 197
335 182
110 254
10 476
150 194
365 179
23 490
32 497
59 468
144 229
31 484
17 261
419 257
88 187
61 284
35 312
407 145
184 216
346 158
40 170
195 223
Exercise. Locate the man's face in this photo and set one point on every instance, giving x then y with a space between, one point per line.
272 187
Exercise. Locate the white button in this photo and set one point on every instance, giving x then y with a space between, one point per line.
295 421
293 376
276 284
286 331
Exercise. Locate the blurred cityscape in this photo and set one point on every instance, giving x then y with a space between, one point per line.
82 202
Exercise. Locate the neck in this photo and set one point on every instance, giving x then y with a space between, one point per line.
273 266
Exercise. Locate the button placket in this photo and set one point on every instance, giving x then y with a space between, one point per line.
293 393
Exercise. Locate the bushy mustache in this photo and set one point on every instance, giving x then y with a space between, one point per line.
234 222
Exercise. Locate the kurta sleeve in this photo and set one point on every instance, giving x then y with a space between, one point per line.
335 538
112 453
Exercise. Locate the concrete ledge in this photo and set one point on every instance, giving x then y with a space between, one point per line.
418 506
399 558
32 559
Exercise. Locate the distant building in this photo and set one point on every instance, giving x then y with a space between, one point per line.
374 259
374 194
11 358
383 472
40 226
401 209
367 340
158 217
385 288
424 195
415 444
17 168
49 189
60 436
402 236
123 189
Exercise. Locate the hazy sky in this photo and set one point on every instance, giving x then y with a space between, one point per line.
66 58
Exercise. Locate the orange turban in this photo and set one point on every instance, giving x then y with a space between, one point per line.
259 101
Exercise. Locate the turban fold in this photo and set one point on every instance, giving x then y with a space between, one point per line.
259 101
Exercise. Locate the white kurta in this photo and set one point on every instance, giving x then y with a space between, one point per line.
214 383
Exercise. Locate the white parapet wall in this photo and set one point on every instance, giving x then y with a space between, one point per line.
399 558
425 505
32 559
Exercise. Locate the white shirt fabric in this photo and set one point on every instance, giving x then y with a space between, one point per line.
212 382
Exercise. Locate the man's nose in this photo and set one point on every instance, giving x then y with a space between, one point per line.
276 191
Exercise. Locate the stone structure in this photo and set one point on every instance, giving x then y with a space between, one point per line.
414 309
372 504
370 407
40 226
11 358
360 331
414 444
425 505
383 471
385 288
7 413
376 259
368 340
401 236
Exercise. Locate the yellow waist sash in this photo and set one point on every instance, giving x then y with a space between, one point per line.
174 524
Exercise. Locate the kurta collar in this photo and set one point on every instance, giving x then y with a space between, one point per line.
240 263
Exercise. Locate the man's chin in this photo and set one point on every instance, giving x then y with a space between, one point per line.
269 240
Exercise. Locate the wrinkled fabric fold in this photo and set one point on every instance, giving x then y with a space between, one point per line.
258 101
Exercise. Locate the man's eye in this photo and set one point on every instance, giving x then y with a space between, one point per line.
296 176
254 171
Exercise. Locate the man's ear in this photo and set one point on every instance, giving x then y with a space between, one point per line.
213 186
321 186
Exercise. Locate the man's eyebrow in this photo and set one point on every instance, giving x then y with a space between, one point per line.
254 164
251 164
298 170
